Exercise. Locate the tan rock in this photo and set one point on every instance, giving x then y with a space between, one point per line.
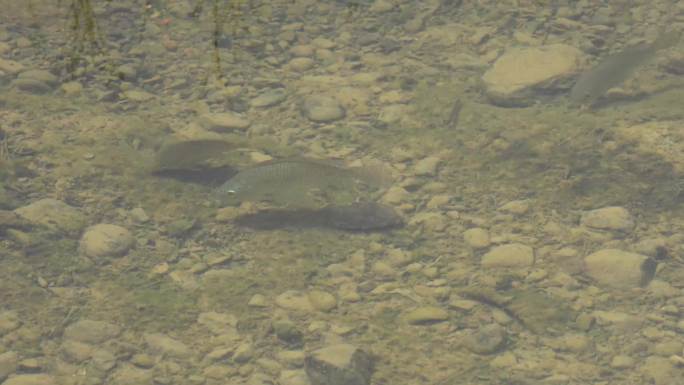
510 255
608 218
618 269
519 72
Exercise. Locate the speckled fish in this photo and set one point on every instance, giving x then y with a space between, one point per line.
290 183
615 69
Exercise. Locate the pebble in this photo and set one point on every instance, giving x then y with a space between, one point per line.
43 76
138 96
218 323
10 66
518 207
72 89
163 344
294 300
322 301
258 300
54 214
269 98
426 315
427 166
395 195
288 332
622 362
31 86
9 321
303 50
105 240
30 379
243 353
129 374
342 364
223 121
520 74
322 109
293 377
9 362
486 340
617 269
301 64
76 352
608 218
477 238
91 332
510 255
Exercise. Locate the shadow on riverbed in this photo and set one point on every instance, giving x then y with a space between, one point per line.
362 217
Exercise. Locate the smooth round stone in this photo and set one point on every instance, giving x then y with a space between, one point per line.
477 238
10 66
41 75
32 86
487 339
54 214
269 98
609 218
224 121
510 255
301 64
105 240
619 269
426 315
322 109
322 301
72 88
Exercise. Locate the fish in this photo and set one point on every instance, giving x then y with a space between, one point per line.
205 161
301 182
616 68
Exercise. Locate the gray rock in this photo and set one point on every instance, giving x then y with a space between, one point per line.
322 109
619 269
54 214
341 364
487 339
92 332
105 240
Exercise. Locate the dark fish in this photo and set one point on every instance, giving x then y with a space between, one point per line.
291 182
192 154
206 161
615 69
